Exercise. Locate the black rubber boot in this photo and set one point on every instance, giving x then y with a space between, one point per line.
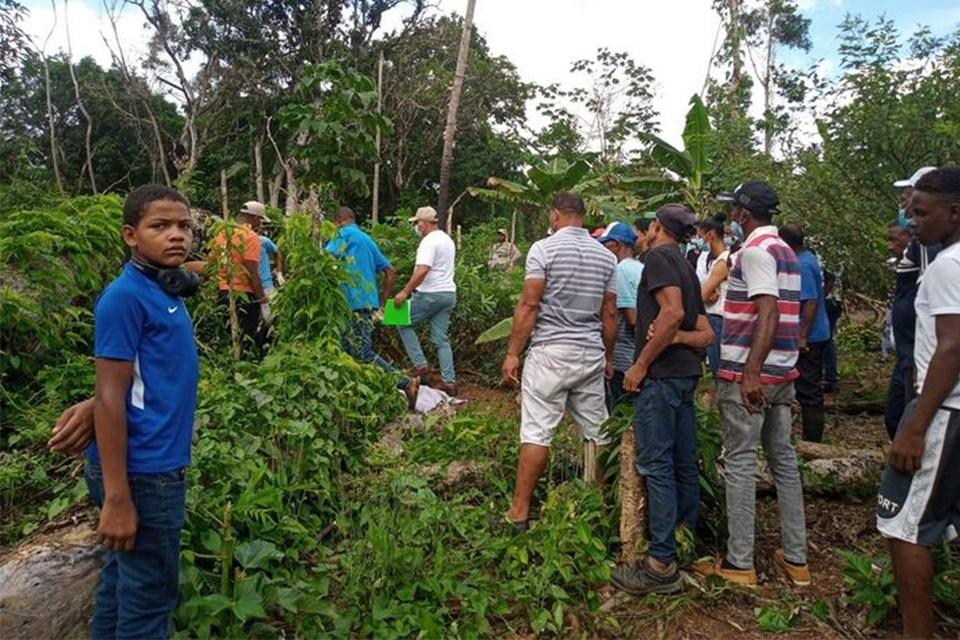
813 423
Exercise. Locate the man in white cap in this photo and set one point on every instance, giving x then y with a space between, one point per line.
903 316
434 295
504 253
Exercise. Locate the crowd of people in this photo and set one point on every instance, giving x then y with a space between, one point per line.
626 318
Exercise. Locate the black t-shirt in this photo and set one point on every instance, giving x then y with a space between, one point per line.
665 267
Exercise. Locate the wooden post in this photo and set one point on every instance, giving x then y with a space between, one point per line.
590 461
513 228
375 207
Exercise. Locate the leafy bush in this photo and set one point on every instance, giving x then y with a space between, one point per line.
276 445
55 262
869 585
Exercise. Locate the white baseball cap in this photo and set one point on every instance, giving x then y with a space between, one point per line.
254 208
914 179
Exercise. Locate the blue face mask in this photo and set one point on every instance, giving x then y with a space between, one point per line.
736 230
699 243
903 219
728 242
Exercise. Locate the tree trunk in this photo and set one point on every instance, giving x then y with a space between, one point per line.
273 187
736 74
290 207
767 78
633 504
375 207
446 161
83 109
46 83
48 585
224 201
258 166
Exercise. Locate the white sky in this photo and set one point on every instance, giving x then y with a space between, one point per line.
541 37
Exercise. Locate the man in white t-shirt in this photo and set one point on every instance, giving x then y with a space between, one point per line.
919 501
434 296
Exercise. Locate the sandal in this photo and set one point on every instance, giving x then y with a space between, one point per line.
503 525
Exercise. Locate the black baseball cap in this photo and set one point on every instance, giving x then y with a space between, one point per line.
678 220
756 196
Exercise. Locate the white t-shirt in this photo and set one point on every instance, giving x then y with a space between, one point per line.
438 252
939 295
716 308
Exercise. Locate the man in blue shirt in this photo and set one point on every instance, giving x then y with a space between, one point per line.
363 261
814 335
269 249
146 392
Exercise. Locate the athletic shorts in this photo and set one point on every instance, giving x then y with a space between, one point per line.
558 378
924 508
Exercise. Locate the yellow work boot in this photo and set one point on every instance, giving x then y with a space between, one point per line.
798 574
742 577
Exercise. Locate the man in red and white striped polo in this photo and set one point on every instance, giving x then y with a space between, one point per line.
758 354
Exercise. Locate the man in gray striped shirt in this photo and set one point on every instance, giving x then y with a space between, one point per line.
568 311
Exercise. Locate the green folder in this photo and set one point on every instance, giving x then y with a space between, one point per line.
396 317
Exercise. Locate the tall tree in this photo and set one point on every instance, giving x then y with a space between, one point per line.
774 25
446 160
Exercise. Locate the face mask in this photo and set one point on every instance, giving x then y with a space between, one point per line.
699 243
417 231
736 230
903 219
728 242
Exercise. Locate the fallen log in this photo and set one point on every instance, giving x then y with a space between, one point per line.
828 470
47 585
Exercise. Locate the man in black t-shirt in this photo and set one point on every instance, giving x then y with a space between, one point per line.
672 333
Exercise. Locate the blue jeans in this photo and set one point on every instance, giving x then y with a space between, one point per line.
899 393
358 343
435 308
139 589
713 351
665 430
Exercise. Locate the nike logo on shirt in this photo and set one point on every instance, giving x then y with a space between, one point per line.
172 309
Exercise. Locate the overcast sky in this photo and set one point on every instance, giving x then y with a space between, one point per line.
542 37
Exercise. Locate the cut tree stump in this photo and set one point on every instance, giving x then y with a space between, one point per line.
633 504
47 585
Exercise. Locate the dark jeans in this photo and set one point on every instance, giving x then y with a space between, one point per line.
713 351
831 372
248 317
899 393
615 393
809 389
139 589
358 343
665 429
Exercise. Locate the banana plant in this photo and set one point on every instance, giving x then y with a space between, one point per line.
689 168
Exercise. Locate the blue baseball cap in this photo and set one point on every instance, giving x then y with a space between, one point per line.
619 232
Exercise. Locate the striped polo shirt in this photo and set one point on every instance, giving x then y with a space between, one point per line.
765 266
576 270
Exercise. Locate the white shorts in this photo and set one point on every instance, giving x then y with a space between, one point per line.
558 378
924 508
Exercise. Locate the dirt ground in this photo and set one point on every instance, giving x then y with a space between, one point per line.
710 611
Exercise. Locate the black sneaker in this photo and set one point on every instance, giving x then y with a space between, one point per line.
641 580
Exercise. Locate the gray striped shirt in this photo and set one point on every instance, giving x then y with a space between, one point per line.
577 271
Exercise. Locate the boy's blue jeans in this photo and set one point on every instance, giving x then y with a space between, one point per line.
665 429
139 589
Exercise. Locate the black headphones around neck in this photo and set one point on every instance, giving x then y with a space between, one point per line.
176 281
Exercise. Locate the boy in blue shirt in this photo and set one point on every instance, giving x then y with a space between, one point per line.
146 390
814 335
